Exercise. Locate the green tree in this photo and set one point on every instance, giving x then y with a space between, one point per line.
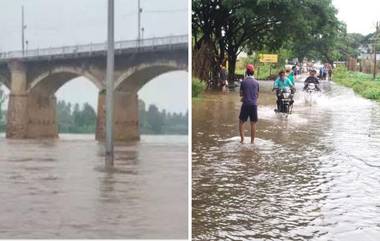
77 115
315 30
79 120
65 119
224 28
154 119
88 116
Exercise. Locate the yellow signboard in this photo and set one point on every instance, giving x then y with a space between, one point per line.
268 58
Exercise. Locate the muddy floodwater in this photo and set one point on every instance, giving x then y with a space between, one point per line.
59 189
312 176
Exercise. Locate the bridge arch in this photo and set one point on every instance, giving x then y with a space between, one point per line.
136 77
42 102
50 81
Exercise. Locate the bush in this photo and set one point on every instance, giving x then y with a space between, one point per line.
363 84
197 87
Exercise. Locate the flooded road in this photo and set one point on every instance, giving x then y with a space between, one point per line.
59 189
312 176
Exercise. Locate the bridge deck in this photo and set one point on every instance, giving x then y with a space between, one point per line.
97 49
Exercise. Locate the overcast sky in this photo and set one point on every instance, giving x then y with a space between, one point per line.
69 22
360 16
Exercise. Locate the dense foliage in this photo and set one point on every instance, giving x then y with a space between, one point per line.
154 121
224 28
197 87
75 119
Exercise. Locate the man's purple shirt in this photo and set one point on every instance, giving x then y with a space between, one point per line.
250 89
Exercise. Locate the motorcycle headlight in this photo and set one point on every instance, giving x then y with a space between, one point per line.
286 95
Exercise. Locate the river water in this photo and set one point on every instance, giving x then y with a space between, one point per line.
59 189
312 176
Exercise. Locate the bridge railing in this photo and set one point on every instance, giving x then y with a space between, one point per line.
98 47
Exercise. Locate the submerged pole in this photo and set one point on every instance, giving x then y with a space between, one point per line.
109 85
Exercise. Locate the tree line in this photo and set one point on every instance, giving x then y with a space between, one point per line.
222 29
82 119
154 121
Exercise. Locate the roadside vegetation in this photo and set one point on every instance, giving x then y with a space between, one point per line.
197 88
363 84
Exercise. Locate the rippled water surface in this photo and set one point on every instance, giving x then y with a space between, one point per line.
312 176
59 189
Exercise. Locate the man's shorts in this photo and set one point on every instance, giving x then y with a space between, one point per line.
248 111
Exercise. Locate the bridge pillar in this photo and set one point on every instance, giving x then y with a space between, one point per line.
17 118
101 117
126 120
42 116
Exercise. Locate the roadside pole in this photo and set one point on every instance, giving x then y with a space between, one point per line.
109 87
23 27
270 69
139 20
374 49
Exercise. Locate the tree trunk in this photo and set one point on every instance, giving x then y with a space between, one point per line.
232 57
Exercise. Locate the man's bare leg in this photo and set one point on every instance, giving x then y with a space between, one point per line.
241 130
253 132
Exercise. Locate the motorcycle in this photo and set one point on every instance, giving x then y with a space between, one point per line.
286 102
310 91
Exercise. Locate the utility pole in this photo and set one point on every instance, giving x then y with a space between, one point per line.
26 43
23 27
109 85
374 49
139 20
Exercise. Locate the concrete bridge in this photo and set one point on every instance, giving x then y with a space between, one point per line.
33 78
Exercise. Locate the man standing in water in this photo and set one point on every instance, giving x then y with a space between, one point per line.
223 78
249 91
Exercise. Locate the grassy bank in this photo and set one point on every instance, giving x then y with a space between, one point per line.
362 84
197 88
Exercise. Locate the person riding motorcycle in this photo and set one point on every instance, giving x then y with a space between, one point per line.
280 84
312 79
290 74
